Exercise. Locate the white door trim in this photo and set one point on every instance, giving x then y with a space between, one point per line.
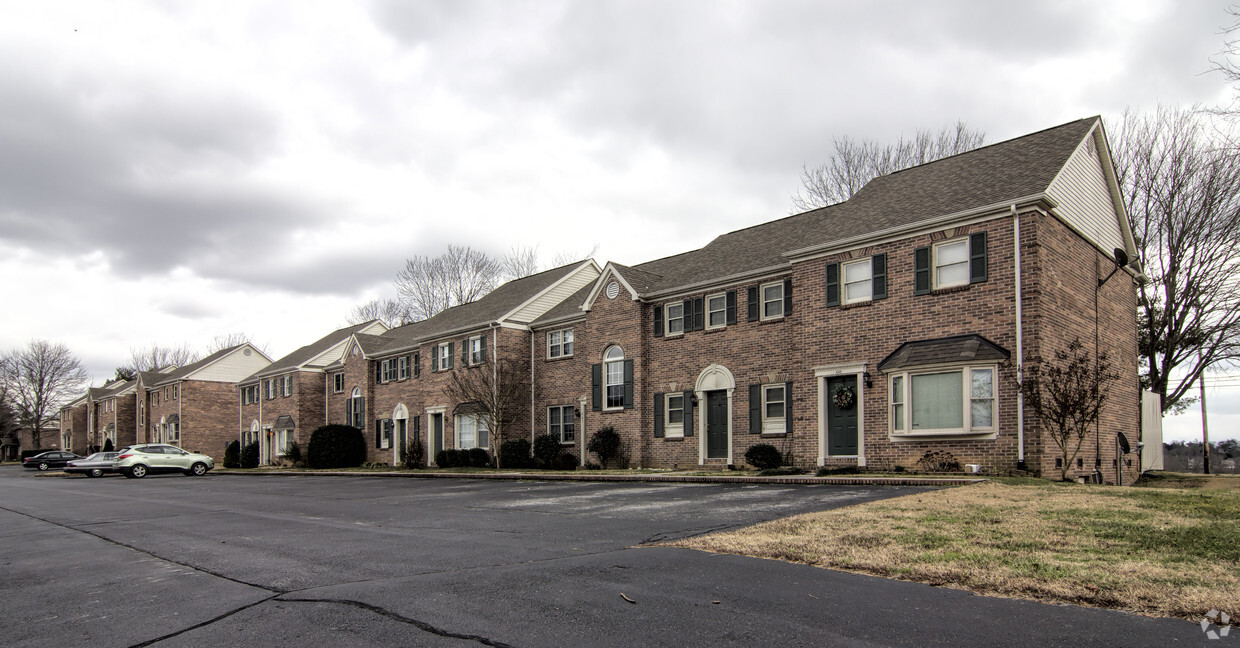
821 374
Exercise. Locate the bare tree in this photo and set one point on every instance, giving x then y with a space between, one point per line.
39 378
856 162
461 275
1067 395
497 390
155 357
389 311
1226 64
520 262
1181 184
229 340
565 258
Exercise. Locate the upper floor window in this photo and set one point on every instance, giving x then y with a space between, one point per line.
402 367
675 313
948 264
288 385
717 311
613 368
443 356
475 350
338 382
560 343
271 389
772 300
355 409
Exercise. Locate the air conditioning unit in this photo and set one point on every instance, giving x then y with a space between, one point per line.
973 468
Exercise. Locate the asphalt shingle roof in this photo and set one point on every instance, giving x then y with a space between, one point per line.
305 353
990 175
949 350
190 368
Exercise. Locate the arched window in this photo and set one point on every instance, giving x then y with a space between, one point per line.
613 370
355 410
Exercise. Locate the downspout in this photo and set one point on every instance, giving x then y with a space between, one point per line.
532 365
1020 344
180 422
495 391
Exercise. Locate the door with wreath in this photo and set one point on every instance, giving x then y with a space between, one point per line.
842 416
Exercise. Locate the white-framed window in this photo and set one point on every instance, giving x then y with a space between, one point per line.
472 432
774 408
858 281
674 313
772 298
176 391
716 311
338 382
560 343
387 370
961 400
475 350
562 423
402 367
951 263
288 385
385 435
167 393
174 432
271 389
674 414
355 409
613 378
284 438
141 415
443 356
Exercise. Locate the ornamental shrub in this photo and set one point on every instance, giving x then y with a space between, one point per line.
336 446
108 447
514 454
546 450
249 455
232 455
413 455
605 443
763 456
292 454
444 458
566 461
479 458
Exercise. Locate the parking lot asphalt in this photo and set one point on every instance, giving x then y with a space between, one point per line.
295 561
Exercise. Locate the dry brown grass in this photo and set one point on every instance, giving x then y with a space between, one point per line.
1163 552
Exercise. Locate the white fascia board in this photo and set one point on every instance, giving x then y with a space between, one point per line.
588 263
609 270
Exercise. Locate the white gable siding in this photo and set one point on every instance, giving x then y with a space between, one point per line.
1084 200
232 367
375 328
558 293
330 356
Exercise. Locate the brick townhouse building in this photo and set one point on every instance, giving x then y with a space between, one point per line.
195 406
870 332
73 425
394 386
284 402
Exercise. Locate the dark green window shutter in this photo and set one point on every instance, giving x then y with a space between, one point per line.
788 407
348 411
360 413
699 314
921 271
378 371
484 348
465 352
731 308
688 401
977 257
451 350
755 409
378 433
417 426
628 384
417 364
754 314
833 284
658 321
658 415
787 297
686 310
878 274
596 387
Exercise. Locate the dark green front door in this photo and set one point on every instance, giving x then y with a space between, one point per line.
436 434
717 425
842 420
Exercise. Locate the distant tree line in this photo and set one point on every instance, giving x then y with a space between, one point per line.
1182 456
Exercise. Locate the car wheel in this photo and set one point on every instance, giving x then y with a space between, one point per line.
198 469
44 465
137 471
95 472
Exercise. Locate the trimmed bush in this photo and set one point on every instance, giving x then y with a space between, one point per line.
336 446
546 450
292 453
456 458
249 455
763 456
783 470
514 453
413 455
605 443
827 471
479 458
566 461
108 447
232 455
444 458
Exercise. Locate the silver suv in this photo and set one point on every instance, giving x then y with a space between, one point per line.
138 461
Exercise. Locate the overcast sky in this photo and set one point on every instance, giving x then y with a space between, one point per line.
170 171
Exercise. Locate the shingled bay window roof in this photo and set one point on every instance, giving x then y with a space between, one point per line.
283 422
960 349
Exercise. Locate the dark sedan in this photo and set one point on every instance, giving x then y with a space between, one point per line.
52 459
93 466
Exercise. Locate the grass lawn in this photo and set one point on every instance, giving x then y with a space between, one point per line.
1156 551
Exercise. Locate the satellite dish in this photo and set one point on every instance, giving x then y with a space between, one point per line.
1121 257
1123 443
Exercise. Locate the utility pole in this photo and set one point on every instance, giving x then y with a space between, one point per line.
1205 429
